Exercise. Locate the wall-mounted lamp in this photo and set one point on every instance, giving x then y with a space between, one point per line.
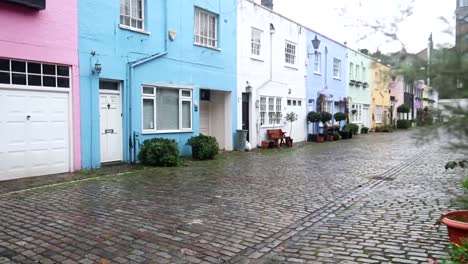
97 68
248 87
316 42
272 29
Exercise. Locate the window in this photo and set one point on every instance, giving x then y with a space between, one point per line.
289 102
357 72
290 53
131 13
317 62
166 109
351 71
463 3
336 68
357 116
206 28
270 110
328 107
299 103
256 44
34 74
378 114
363 74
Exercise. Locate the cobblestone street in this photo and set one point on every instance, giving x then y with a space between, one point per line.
372 199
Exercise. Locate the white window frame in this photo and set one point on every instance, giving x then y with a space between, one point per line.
329 107
41 75
363 74
463 3
147 96
203 34
130 17
266 109
256 37
358 69
317 63
351 71
336 70
357 118
290 50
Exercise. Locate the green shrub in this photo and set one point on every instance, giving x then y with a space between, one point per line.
325 117
336 136
353 128
160 152
404 108
339 116
203 147
403 124
364 130
313 117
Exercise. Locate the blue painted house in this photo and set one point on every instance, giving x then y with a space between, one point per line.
326 74
159 68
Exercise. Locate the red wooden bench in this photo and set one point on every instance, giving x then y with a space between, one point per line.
279 137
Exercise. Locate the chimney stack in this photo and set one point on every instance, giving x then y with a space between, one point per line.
268 3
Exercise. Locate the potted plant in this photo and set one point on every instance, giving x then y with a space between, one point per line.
203 147
346 133
352 82
457 221
291 117
339 116
326 117
364 130
313 118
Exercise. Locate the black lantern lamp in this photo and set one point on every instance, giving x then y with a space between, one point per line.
97 68
316 42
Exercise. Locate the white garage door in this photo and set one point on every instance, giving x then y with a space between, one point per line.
34 133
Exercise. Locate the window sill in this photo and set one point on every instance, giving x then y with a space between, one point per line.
291 66
136 30
206 47
336 78
317 73
272 126
257 58
152 132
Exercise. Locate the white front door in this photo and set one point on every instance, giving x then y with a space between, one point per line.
111 126
365 116
34 133
205 118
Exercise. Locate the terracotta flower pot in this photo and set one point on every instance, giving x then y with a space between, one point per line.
320 138
330 138
457 230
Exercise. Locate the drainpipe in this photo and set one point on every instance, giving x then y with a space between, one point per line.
272 31
130 68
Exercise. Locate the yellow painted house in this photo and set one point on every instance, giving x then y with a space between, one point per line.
380 94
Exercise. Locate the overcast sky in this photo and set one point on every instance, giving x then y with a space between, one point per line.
345 20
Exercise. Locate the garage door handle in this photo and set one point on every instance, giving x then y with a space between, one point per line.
28 117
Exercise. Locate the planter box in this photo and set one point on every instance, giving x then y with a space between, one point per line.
265 144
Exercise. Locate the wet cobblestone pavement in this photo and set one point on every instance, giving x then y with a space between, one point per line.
373 199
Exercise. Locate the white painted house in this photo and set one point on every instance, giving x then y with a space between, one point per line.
271 66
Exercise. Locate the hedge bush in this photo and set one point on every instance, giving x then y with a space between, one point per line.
364 130
203 147
403 124
404 108
353 128
160 152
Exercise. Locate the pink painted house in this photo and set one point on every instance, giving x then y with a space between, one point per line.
397 98
39 88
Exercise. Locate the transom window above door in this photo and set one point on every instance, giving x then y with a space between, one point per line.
38 74
166 109
132 14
